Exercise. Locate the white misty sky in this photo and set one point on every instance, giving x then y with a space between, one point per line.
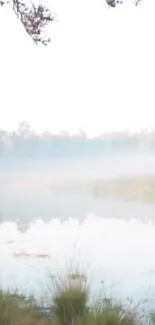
98 74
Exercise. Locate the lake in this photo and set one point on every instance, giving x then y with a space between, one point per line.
47 222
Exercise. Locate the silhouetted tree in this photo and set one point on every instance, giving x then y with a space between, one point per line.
34 18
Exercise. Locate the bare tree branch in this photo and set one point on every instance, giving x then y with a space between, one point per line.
34 19
137 2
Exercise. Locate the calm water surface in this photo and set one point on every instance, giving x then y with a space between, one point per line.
113 239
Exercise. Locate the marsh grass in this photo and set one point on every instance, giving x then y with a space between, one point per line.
73 305
17 309
10 313
70 299
70 305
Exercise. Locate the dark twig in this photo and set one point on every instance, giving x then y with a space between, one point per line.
3 2
114 3
137 2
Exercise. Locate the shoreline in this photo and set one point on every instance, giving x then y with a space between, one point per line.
137 189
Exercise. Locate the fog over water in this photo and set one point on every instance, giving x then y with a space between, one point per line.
49 214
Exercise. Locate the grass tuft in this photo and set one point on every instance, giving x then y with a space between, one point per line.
71 299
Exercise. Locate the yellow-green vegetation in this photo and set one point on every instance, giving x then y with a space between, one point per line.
69 304
16 309
109 312
140 189
70 299
72 306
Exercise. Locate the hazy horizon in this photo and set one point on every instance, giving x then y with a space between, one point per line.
26 145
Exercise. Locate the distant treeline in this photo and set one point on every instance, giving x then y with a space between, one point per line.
25 143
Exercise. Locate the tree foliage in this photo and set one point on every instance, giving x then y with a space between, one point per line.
33 18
